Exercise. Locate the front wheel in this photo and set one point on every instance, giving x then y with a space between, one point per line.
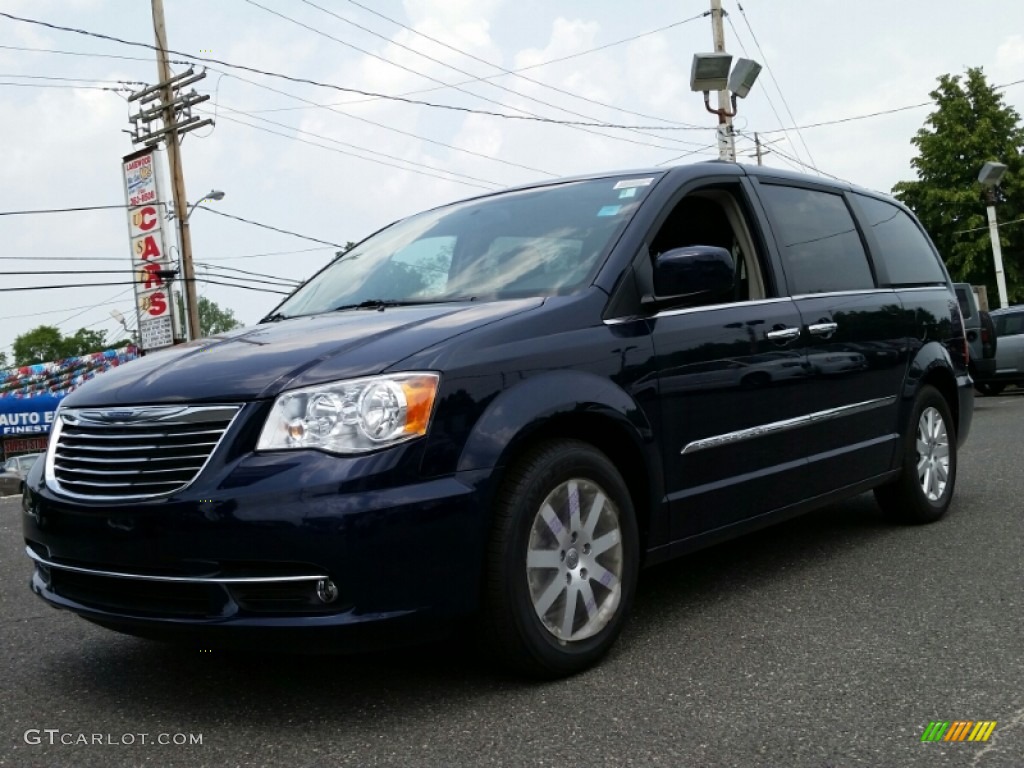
562 561
923 491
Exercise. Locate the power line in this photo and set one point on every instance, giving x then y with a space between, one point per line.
72 87
454 68
525 113
76 79
782 96
764 91
268 226
493 186
279 283
780 153
431 170
247 272
343 89
978 229
68 210
503 70
100 285
330 108
209 258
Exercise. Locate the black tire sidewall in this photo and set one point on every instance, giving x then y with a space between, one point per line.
569 459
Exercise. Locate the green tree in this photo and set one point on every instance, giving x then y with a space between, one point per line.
46 343
213 318
970 125
3 361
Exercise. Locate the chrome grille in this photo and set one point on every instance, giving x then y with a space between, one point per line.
131 453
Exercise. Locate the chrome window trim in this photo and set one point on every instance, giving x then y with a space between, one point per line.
858 292
935 287
166 414
690 310
786 424
38 560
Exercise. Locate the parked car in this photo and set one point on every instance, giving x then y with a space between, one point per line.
456 420
1009 360
12 474
980 334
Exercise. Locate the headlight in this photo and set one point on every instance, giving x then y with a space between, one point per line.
352 416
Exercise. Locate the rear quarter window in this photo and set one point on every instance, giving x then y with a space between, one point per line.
903 248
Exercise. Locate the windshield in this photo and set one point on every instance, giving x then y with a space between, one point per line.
535 242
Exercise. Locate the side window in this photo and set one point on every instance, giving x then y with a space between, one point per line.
1009 325
963 301
821 248
908 257
715 216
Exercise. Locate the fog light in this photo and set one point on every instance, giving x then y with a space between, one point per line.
327 591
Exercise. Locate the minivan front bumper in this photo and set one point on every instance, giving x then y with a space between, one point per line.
286 541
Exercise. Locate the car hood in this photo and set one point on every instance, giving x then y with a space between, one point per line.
269 358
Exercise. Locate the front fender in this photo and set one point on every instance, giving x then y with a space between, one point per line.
525 407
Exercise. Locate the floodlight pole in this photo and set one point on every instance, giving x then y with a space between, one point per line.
997 249
726 139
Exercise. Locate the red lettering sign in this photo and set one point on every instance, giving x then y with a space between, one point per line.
157 304
146 218
149 278
147 248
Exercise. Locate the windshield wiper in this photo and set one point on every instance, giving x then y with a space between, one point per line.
274 317
382 304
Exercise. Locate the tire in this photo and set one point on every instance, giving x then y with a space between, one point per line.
923 491
526 619
990 390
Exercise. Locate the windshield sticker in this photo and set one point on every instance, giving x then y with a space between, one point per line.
631 192
627 183
609 210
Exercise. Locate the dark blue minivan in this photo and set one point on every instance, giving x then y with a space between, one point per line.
502 409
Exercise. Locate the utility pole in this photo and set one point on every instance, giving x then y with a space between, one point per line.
174 110
757 145
726 139
177 175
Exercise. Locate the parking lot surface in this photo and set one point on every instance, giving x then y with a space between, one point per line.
832 640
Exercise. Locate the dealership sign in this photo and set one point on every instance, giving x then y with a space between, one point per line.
149 251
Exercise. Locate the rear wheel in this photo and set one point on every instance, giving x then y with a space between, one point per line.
923 491
562 562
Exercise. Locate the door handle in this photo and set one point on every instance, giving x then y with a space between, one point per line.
783 334
823 329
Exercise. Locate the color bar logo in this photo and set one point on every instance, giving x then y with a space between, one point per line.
958 730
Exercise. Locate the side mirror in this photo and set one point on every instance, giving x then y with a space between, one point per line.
696 271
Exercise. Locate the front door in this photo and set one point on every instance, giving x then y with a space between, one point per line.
730 375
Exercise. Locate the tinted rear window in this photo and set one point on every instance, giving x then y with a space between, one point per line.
1009 325
821 248
908 257
965 304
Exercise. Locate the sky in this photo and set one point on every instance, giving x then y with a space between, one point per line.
333 165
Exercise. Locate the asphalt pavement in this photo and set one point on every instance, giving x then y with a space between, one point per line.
830 641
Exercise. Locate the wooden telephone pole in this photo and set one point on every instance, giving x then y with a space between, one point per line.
174 111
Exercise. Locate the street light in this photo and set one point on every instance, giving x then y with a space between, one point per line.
116 314
710 72
990 176
213 194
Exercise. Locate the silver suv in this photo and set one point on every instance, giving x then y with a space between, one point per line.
1009 360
